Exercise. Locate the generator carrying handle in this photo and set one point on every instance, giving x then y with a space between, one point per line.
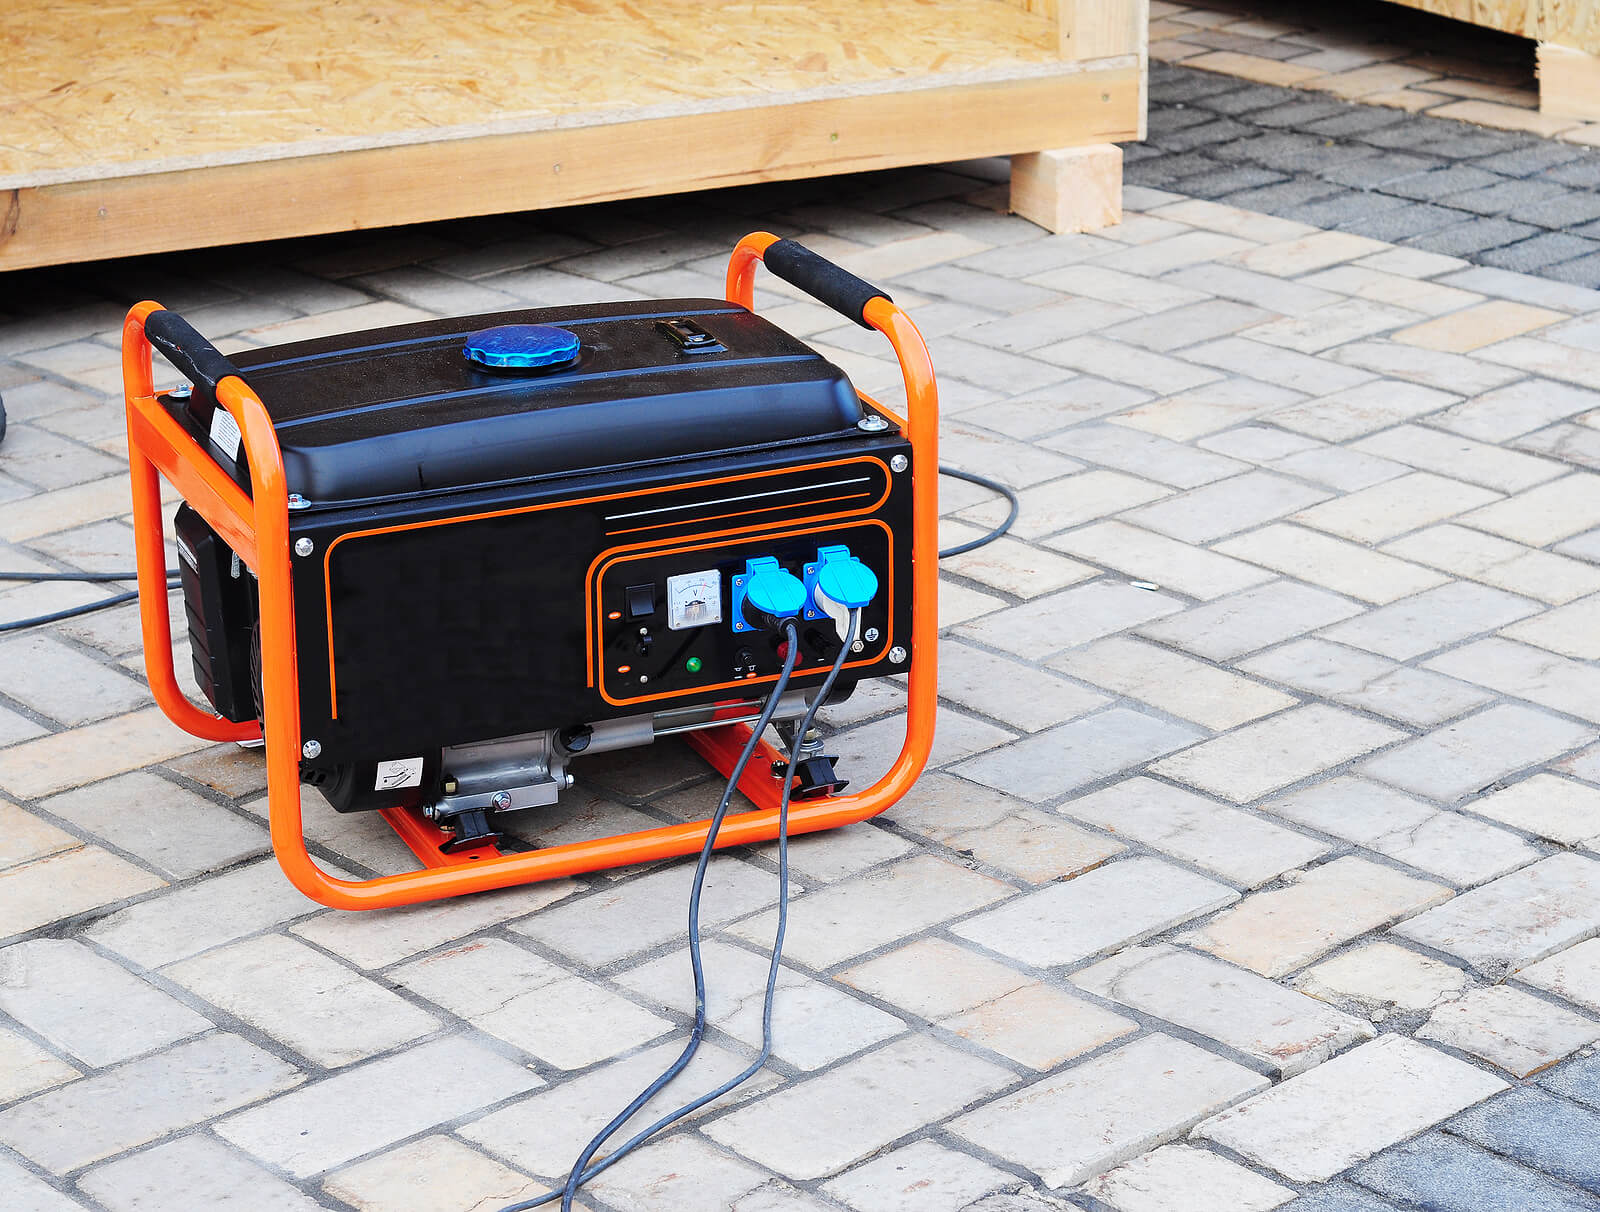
198 359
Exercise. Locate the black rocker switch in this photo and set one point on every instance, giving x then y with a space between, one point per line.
641 601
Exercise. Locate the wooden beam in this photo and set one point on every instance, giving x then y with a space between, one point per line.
1569 83
1099 29
490 174
1069 189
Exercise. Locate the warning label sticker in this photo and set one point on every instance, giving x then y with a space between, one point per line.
407 772
225 432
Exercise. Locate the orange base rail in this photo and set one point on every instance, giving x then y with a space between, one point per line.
257 528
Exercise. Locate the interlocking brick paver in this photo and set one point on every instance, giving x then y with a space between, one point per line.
1277 931
851 917
922 1177
1380 976
67 759
67 883
207 1172
1112 906
1559 809
1547 1134
1510 1029
1504 471
1530 673
425 1174
1517 919
1227 506
313 1004
1139 553
1331 563
1092 1116
87 1005
1338 415
1145 455
375 1104
1069 756
796 1131
1573 974
1248 762
1188 688
1183 1176
137 1102
1074 616
1361 679
1287 1031
1394 507
1467 756
1014 693
26 1068
1572 630
1440 1172
1244 622
1039 1026
1236 845
1036 846
1319 1123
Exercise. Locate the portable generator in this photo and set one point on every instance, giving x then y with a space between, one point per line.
435 564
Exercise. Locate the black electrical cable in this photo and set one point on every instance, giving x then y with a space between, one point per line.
993 486
72 612
581 1171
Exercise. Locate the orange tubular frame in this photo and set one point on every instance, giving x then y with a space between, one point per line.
257 528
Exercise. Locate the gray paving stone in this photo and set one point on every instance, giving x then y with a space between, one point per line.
1049 764
1112 906
1317 1124
1577 1079
1227 180
28 1193
1088 1118
1583 271
1532 255
1043 627
365 1108
86 1004
1361 679
1286 1031
207 1172
1397 223
1337 1197
1435 183
1434 618
1463 757
1440 1174
1544 1133
1471 237
819 1126
97 1117
1517 919
1255 618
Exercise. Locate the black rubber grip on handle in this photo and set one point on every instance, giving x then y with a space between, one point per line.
197 358
822 279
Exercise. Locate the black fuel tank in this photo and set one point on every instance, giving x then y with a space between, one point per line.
402 410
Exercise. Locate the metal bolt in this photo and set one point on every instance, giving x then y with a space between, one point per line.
872 423
870 634
296 501
899 462
181 392
312 749
897 655
304 546
501 800
430 811
858 646
570 781
643 678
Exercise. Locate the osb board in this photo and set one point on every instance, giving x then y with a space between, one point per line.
415 182
1574 23
94 89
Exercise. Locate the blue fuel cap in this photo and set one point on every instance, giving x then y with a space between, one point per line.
522 347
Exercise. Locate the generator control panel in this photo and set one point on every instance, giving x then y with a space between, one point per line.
685 621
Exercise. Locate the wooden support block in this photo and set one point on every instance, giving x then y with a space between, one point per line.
1070 189
1569 83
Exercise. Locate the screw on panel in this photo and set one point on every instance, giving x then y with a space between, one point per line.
312 749
181 392
872 423
870 635
570 780
296 501
501 800
899 463
304 546
897 655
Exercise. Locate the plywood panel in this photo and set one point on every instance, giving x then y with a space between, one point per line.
97 88
924 121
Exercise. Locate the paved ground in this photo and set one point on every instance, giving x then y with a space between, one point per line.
1260 865
1501 198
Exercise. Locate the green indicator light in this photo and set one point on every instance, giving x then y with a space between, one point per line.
692 664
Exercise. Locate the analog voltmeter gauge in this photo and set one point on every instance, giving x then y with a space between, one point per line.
694 599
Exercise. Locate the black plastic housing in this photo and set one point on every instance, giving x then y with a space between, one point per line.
219 597
472 537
